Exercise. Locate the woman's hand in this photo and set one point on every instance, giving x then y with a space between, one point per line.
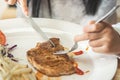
23 4
102 37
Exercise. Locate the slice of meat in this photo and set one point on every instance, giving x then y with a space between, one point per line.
43 59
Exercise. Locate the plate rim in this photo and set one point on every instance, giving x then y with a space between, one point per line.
45 19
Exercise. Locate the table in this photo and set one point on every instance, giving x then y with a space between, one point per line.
117 75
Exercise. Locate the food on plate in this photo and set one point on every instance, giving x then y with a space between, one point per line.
78 71
6 51
12 70
41 76
2 38
43 59
78 52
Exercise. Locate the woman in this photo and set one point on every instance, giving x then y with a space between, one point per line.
102 37
78 11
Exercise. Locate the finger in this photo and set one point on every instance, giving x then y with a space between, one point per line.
94 36
96 43
11 2
98 49
6 0
81 37
87 36
94 27
102 49
92 22
24 6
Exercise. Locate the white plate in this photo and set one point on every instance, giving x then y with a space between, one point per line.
101 67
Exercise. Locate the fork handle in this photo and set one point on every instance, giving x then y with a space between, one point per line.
108 14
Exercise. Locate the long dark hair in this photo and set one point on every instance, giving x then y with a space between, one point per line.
91 7
35 8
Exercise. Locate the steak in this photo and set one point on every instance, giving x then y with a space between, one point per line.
42 59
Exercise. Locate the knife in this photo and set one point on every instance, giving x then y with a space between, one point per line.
36 27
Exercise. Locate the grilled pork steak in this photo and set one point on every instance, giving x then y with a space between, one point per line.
43 59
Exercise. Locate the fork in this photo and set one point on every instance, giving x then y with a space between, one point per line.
75 46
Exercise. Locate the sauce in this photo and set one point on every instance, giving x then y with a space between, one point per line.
78 52
39 75
78 71
87 48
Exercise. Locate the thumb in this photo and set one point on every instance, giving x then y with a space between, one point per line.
92 22
81 37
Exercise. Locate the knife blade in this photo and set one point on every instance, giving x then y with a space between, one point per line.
36 27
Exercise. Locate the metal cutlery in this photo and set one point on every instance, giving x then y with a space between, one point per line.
75 46
112 11
36 27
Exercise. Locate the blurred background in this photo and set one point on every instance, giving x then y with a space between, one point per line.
7 11
118 11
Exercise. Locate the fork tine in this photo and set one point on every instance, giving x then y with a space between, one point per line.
75 46
61 52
